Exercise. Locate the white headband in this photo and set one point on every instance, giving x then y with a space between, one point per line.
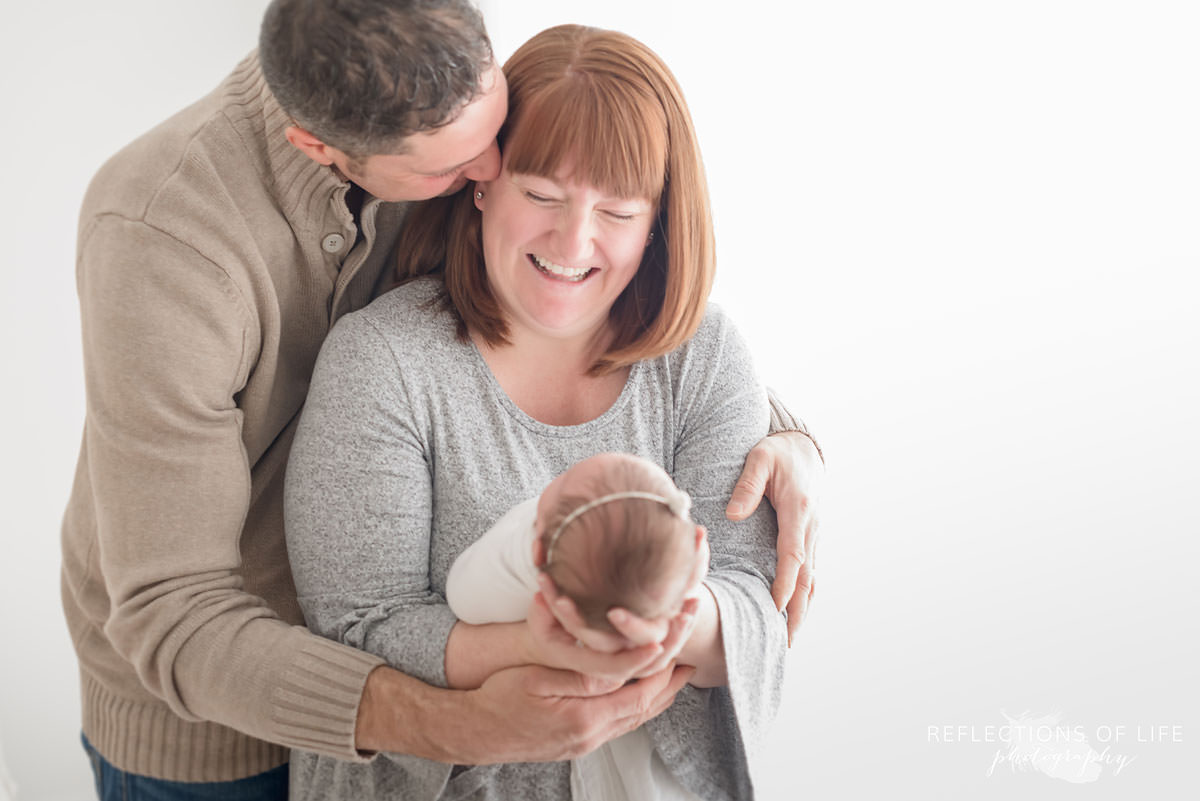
679 505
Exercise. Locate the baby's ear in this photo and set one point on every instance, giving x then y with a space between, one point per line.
701 535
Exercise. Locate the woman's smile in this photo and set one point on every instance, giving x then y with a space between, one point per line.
558 272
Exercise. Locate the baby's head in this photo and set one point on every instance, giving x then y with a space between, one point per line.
643 554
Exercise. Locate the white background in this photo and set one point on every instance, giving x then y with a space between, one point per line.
962 240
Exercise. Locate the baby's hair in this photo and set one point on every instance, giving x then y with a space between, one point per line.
622 552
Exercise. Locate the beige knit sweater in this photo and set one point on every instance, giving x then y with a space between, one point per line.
213 258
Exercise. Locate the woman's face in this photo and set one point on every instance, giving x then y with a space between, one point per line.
558 252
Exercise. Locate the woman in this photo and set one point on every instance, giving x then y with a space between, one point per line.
571 320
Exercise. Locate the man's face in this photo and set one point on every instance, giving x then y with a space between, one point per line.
441 161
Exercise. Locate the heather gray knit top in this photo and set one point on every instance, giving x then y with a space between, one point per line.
408 449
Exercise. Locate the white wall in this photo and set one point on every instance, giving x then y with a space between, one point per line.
961 238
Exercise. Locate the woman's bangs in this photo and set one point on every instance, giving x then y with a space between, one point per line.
611 141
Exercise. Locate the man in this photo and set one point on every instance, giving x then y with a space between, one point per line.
214 254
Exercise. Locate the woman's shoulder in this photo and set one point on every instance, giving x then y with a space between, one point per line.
414 312
418 302
715 336
712 364
408 325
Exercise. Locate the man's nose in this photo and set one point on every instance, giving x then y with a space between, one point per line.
486 166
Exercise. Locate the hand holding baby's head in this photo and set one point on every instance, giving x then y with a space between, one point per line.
613 531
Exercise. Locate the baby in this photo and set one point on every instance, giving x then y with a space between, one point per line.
611 531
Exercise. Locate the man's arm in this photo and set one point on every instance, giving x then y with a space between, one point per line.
524 714
787 468
168 342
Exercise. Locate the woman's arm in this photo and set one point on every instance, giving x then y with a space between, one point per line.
721 413
705 648
358 507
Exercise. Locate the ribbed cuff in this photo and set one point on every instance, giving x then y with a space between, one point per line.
315 707
784 421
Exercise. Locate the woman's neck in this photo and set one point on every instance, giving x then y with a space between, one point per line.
549 379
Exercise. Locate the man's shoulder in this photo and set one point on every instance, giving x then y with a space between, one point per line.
205 162
133 176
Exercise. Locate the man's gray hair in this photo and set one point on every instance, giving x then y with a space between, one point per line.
361 75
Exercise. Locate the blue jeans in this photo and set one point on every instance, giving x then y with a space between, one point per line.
114 784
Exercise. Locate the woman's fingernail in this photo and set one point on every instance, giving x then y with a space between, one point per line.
618 616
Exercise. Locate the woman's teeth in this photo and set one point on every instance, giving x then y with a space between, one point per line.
568 273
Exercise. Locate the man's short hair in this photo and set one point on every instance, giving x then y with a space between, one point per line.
362 75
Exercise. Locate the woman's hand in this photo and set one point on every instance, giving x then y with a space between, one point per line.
475 652
633 633
547 642
788 470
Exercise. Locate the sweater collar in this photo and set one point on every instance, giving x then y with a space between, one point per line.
304 189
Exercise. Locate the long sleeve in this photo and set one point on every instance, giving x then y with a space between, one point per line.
721 412
168 344
358 507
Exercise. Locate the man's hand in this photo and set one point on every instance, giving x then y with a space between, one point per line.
521 714
787 469
537 714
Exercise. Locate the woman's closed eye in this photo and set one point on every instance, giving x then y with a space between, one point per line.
617 215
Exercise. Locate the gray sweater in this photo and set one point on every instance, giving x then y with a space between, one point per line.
408 450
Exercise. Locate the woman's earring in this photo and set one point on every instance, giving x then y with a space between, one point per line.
479 196
650 239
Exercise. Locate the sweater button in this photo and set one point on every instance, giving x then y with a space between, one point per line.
333 243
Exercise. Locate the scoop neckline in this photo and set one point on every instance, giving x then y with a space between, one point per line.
547 429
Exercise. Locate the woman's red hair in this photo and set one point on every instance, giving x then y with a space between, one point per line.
607 105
